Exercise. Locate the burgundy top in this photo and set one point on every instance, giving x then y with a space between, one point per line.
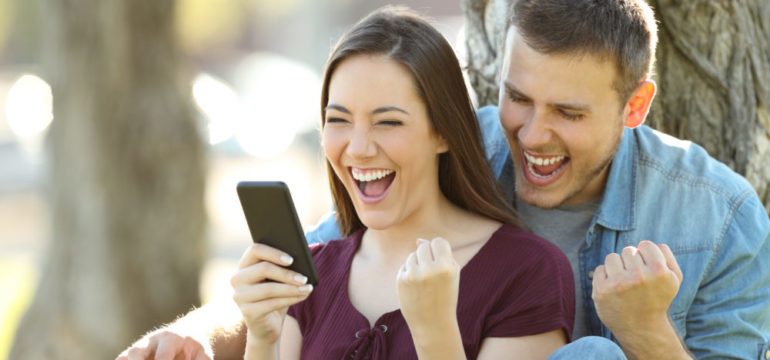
517 284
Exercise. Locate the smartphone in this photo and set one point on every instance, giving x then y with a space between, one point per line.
273 221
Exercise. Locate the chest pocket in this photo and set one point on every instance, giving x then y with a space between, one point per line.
693 264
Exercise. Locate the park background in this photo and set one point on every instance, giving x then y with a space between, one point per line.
125 125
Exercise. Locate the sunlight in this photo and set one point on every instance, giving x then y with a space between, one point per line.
29 106
220 104
279 99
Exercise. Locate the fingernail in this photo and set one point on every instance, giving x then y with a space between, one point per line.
306 288
300 278
286 259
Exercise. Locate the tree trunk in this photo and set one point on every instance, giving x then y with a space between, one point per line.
713 72
127 181
485 28
713 68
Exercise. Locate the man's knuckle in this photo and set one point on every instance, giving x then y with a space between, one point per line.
135 352
658 269
165 334
636 277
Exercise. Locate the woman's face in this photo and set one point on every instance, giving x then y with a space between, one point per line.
380 143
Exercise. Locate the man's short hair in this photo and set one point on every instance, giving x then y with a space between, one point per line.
622 31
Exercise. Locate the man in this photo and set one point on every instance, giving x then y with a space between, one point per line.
667 245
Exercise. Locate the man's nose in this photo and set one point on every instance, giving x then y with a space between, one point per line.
536 131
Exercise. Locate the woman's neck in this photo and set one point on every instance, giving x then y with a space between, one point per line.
398 240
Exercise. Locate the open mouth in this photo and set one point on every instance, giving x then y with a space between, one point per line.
373 184
544 170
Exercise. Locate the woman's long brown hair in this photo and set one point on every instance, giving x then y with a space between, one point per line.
464 174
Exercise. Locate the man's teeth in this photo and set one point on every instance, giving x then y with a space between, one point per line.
543 161
370 175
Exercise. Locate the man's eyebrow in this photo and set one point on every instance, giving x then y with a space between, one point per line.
338 108
385 109
563 106
514 91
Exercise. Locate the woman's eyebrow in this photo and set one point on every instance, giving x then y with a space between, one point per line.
338 108
379 110
385 109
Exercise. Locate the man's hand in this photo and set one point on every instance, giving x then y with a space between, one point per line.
167 345
632 293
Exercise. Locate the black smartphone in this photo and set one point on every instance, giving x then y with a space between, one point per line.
273 221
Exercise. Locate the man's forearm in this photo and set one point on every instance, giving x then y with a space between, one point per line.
655 340
218 325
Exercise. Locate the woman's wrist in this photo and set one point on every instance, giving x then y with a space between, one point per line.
439 339
260 348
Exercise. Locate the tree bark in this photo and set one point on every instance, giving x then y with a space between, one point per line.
713 72
485 28
713 68
126 181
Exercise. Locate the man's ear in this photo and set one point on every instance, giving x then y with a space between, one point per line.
638 105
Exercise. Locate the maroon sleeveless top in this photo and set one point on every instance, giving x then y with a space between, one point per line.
517 284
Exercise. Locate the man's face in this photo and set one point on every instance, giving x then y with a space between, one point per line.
563 121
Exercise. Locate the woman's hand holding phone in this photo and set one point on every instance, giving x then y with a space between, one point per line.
264 289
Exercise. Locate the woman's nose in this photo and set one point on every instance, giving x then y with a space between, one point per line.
361 144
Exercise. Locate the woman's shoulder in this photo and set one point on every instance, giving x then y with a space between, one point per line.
512 241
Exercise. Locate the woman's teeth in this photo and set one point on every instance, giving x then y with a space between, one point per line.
369 175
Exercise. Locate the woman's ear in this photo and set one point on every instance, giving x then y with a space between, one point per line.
639 104
442 145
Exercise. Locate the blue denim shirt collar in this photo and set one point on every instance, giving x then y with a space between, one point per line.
616 211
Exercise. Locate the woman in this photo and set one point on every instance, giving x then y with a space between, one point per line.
434 265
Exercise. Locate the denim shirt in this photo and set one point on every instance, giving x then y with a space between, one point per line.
671 191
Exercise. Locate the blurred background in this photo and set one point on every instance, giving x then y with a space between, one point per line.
252 69
126 124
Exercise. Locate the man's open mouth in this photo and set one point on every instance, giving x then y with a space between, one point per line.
544 169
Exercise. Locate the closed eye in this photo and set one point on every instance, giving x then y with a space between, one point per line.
516 97
570 116
390 122
337 120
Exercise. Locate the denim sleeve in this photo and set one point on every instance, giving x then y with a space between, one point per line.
325 231
730 315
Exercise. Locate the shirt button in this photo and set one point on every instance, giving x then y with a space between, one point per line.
767 355
591 276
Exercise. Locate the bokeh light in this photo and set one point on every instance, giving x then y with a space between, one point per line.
279 99
220 104
29 106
